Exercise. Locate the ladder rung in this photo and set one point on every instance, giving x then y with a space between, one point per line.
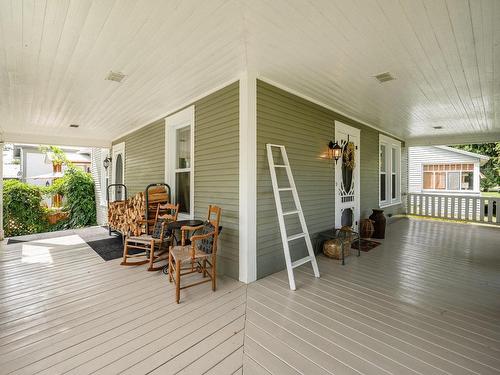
301 262
285 189
279 166
290 212
296 236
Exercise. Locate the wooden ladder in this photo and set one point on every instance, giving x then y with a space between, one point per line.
285 238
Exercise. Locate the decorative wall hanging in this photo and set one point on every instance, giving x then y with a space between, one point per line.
348 155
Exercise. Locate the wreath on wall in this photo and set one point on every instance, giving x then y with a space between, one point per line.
348 155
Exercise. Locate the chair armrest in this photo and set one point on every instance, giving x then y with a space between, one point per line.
188 228
202 236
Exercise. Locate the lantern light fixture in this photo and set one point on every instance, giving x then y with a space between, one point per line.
106 162
334 151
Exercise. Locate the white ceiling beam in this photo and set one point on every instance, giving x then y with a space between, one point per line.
54 140
454 139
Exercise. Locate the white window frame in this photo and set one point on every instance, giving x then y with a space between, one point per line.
390 145
116 150
172 123
446 190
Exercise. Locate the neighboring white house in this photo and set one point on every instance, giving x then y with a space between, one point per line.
446 170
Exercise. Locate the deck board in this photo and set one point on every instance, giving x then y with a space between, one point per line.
425 301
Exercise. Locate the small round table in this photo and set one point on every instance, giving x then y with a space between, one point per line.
177 226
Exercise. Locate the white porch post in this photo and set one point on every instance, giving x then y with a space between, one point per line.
248 178
1 191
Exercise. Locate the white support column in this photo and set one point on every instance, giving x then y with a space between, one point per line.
248 178
1 191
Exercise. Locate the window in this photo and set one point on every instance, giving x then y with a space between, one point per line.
383 177
179 160
448 177
183 168
390 171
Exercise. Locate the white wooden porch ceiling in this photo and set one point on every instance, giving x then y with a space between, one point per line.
55 55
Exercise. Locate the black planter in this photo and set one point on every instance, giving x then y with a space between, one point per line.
378 223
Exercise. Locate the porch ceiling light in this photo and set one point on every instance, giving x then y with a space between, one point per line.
106 162
334 151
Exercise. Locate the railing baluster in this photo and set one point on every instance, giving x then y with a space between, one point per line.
467 202
456 207
490 210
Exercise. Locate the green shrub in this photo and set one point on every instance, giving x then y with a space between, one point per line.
79 198
22 209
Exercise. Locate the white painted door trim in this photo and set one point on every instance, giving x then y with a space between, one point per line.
248 178
341 128
183 118
118 149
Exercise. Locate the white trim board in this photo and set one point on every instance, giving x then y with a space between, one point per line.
183 118
53 139
248 179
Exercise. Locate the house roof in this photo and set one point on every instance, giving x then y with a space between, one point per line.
73 157
482 158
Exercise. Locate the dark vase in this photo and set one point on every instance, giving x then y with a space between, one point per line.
378 223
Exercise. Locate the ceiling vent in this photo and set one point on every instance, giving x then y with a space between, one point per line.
384 77
115 76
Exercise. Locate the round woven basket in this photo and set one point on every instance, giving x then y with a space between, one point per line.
333 248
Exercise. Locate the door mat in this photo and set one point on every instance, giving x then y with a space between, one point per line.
364 245
98 238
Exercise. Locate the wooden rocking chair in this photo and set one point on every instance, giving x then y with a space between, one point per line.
155 245
199 255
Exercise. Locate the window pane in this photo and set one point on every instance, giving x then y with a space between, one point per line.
467 181
382 187
183 147
393 186
393 151
453 180
440 180
382 158
428 180
182 191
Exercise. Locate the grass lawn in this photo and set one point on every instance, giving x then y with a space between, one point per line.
492 194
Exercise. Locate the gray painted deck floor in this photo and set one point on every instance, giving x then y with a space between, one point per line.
425 301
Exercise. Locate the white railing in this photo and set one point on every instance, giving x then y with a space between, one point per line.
455 207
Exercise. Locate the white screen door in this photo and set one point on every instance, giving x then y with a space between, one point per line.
347 177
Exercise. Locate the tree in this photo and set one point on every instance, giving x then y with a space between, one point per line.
490 170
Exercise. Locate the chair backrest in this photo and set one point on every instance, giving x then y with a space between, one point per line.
214 214
167 212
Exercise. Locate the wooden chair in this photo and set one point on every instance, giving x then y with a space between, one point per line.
199 256
154 245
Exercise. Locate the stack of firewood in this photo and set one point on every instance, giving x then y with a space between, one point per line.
128 216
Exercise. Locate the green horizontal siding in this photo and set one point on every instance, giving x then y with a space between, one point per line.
305 129
216 166
144 156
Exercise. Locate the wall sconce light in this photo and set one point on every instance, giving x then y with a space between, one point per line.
106 162
334 151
